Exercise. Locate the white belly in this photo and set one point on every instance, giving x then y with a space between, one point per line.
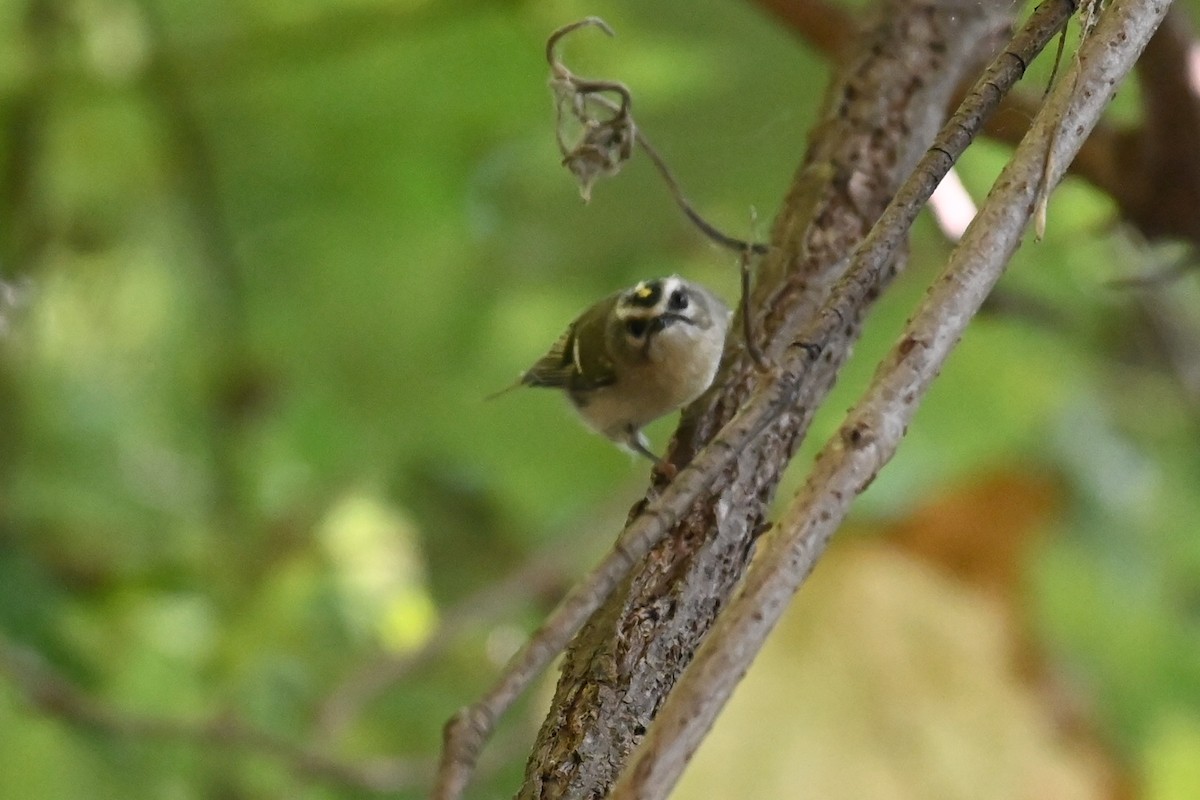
680 367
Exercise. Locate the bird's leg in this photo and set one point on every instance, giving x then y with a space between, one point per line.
636 441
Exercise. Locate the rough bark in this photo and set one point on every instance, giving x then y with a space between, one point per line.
1151 169
883 110
873 428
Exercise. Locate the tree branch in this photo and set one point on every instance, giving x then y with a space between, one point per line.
884 108
603 145
807 255
1151 170
868 438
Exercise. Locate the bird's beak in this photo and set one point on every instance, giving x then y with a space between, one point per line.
670 318
660 323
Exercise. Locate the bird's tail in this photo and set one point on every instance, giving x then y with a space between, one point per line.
517 384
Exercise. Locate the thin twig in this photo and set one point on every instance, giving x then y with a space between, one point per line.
603 147
677 194
557 36
1042 200
873 428
881 110
1152 170
469 729
49 692
706 227
1058 54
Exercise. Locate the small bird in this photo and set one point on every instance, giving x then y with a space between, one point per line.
636 355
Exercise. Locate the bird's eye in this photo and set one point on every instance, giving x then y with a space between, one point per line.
678 300
636 328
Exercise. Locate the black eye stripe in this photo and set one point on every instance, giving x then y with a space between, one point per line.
678 300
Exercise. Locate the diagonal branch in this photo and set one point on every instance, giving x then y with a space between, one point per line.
1151 170
1154 169
800 381
626 659
603 145
867 440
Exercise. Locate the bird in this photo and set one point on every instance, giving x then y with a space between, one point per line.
634 356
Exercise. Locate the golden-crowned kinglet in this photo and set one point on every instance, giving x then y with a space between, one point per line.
636 355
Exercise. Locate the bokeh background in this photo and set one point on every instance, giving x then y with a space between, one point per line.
261 261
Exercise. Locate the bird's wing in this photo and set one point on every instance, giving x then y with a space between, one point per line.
556 369
572 365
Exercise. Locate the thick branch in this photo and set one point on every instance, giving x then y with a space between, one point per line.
1155 169
1152 170
883 112
873 428
467 732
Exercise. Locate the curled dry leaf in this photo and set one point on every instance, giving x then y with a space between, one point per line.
592 146
602 146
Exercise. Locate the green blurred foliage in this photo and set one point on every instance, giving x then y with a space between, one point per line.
265 259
